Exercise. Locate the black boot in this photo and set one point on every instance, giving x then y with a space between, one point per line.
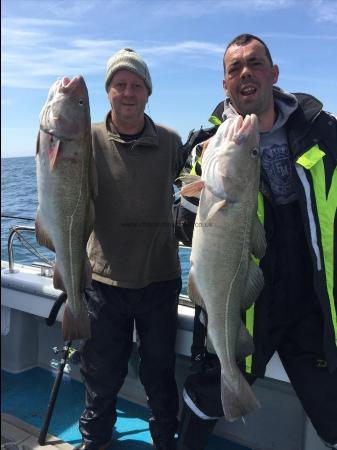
194 432
162 432
86 445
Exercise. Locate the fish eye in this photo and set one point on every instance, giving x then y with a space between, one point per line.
81 102
254 152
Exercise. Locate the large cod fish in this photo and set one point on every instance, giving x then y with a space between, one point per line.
66 187
224 279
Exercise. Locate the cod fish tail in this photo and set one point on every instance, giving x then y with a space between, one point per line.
237 404
76 327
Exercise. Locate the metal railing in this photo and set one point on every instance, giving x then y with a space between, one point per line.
13 233
47 266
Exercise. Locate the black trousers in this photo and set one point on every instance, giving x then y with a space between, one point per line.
296 333
290 322
301 353
104 357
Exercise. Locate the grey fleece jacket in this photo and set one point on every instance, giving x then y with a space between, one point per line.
133 242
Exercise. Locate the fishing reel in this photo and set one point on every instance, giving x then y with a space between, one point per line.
70 356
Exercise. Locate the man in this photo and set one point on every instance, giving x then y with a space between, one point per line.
134 256
296 311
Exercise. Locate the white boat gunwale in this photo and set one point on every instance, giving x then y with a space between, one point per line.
38 296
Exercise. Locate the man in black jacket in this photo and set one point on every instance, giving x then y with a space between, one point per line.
295 314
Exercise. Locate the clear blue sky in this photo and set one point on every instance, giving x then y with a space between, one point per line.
182 41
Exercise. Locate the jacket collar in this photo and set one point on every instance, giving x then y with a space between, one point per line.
309 105
149 136
299 124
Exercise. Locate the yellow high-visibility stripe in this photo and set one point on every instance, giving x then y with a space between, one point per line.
250 313
214 120
193 170
311 157
326 204
260 208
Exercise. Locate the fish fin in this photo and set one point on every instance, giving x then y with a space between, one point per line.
189 178
215 208
237 403
192 185
192 189
244 344
193 292
42 236
54 149
259 243
76 327
57 279
52 144
254 286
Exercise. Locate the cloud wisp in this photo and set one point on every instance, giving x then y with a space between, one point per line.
186 8
324 11
321 11
33 55
35 50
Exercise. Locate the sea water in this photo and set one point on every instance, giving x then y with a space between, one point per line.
19 202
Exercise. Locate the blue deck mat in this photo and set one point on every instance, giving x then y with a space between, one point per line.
26 395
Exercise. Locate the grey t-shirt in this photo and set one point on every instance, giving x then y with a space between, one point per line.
275 155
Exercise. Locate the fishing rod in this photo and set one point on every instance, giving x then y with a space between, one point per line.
67 354
7 216
67 350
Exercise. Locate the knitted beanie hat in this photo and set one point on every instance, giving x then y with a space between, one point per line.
128 59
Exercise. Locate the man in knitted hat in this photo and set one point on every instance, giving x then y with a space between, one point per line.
134 257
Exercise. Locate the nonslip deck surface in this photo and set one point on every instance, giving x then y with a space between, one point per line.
25 397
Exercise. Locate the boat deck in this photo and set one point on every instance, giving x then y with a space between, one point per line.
24 404
27 342
19 435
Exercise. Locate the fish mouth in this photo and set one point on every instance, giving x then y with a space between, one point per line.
75 86
65 81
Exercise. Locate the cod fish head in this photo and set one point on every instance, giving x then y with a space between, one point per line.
236 148
66 113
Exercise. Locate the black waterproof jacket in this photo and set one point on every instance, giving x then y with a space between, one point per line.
312 139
